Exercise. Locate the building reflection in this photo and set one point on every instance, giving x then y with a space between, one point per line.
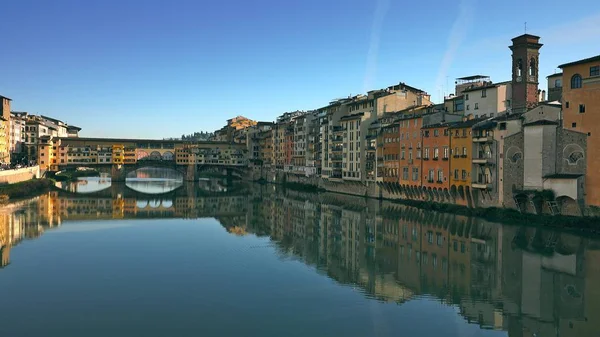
523 280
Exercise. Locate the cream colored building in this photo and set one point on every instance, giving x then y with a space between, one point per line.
488 100
5 130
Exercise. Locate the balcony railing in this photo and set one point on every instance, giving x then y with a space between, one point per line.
482 139
481 185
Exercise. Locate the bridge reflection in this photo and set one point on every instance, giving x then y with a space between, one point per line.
103 187
524 280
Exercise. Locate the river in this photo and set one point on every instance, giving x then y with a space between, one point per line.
159 257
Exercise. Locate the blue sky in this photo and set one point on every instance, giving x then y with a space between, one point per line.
158 68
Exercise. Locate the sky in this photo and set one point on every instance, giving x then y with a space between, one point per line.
158 68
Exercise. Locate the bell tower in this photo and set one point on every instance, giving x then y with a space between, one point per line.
525 65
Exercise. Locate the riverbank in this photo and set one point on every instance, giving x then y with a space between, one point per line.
29 188
492 214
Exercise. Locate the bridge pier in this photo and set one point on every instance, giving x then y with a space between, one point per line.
118 173
191 173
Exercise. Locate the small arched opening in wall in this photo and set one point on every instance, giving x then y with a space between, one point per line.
447 195
521 201
568 206
468 196
453 191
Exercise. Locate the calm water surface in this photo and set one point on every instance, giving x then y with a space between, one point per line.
159 257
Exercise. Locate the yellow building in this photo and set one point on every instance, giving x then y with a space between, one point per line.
5 130
118 154
461 145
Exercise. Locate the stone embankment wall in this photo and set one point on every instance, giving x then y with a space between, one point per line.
393 191
19 175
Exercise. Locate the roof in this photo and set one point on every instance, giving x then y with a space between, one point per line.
402 84
133 140
464 124
590 59
473 77
525 35
564 175
554 75
353 116
52 119
71 127
492 85
541 122
486 124
438 125
5 97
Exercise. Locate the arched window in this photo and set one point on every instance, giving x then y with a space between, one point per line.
576 81
532 67
519 68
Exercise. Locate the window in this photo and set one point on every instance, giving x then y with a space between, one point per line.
455 246
532 67
405 173
595 71
558 83
567 105
440 175
581 108
426 156
466 97
402 155
464 175
415 174
446 152
430 237
573 125
476 106
462 247
436 153
436 132
439 239
431 175
468 107
455 174
483 94
576 81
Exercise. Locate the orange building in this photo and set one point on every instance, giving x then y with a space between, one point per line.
409 128
581 112
391 153
461 138
436 156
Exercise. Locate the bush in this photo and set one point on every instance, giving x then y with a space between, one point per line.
27 188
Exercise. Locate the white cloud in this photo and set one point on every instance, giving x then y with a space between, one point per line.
379 17
457 35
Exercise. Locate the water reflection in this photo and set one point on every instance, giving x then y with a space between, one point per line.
520 280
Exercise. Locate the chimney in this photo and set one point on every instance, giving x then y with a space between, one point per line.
543 95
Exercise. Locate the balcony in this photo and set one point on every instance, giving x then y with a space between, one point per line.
483 159
435 158
337 148
445 158
481 185
337 139
337 129
483 139
430 180
439 181
336 157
